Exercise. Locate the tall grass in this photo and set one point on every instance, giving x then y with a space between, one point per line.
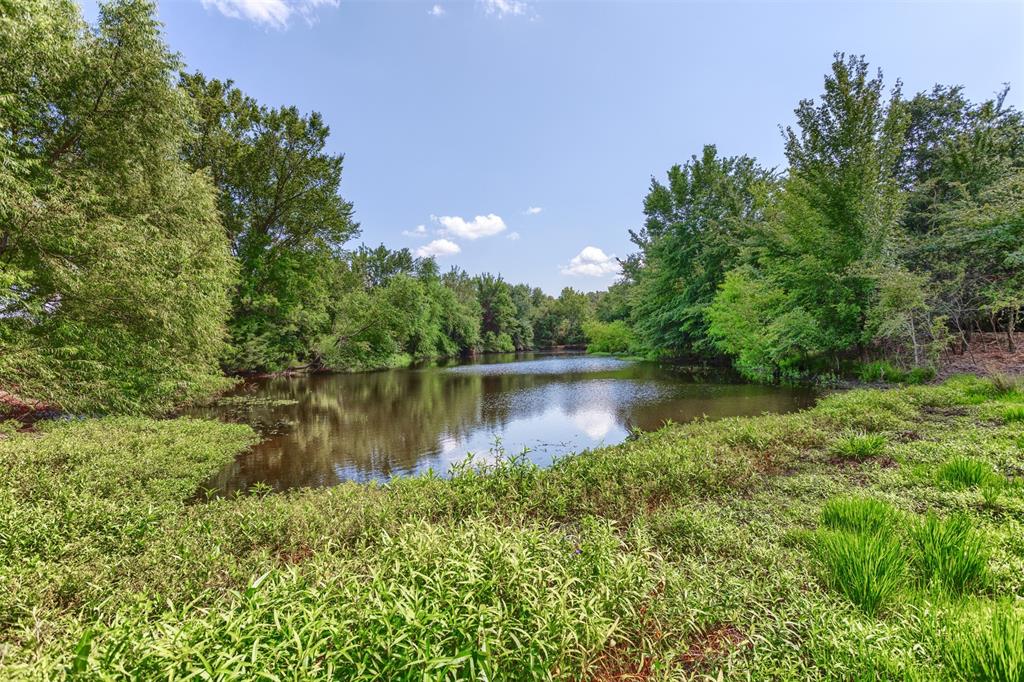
858 515
860 446
869 568
988 646
950 553
1014 415
965 472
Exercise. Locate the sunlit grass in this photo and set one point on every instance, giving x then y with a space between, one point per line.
860 446
739 546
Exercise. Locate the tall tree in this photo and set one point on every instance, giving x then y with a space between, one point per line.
282 210
115 266
695 227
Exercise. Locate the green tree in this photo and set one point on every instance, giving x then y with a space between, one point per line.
282 210
835 226
115 266
694 230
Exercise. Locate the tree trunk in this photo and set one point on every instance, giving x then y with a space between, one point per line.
1010 325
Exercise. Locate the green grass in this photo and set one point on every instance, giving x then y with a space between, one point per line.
860 446
868 568
965 472
858 515
989 645
950 553
737 548
1014 415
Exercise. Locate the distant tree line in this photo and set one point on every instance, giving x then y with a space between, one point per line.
896 230
158 227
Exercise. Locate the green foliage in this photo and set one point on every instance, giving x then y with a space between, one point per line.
868 568
610 337
988 645
965 472
858 515
860 446
1014 414
694 229
278 196
606 560
950 552
113 292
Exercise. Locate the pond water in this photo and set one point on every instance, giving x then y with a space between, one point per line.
326 428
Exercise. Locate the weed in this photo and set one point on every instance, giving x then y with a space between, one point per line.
869 568
1014 415
858 515
988 645
950 552
860 446
965 472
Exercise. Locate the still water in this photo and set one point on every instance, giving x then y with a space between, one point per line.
327 428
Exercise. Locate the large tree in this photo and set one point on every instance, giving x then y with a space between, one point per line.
114 266
283 212
832 235
694 229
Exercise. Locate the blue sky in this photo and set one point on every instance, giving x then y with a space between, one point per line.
447 111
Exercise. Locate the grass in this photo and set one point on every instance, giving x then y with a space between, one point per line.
950 553
868 568
989 645
965 472
1014 415
860 446
730 548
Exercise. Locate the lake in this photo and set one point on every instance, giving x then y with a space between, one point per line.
322 429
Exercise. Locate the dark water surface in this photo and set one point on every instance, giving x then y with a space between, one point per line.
328 428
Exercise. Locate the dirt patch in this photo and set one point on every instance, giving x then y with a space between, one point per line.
986 355
713 643
295 556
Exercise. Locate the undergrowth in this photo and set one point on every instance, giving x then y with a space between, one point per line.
739 548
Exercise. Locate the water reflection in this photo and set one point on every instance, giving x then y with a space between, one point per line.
382 424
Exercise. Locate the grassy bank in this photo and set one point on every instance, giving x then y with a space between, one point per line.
879 535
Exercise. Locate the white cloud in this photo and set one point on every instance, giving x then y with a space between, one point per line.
514 236
438 247
419 232
436 11
273 13
533 210
480 226
592 262
505 8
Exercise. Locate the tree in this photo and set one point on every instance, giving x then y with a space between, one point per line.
282 211
115 266
835 225
693 233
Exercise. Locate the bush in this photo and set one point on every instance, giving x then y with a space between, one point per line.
869 568
965 472
988 646
860 446
609 337
950 553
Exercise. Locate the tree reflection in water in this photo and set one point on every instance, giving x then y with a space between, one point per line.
381 424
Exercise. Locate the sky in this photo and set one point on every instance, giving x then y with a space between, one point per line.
519 137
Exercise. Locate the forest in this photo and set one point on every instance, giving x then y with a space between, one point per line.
163 230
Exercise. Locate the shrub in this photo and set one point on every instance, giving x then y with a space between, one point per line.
860 446
988 647
609 337
868 568
950 553
858 515
965 472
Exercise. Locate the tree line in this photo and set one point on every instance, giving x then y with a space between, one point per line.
158 227
895 231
